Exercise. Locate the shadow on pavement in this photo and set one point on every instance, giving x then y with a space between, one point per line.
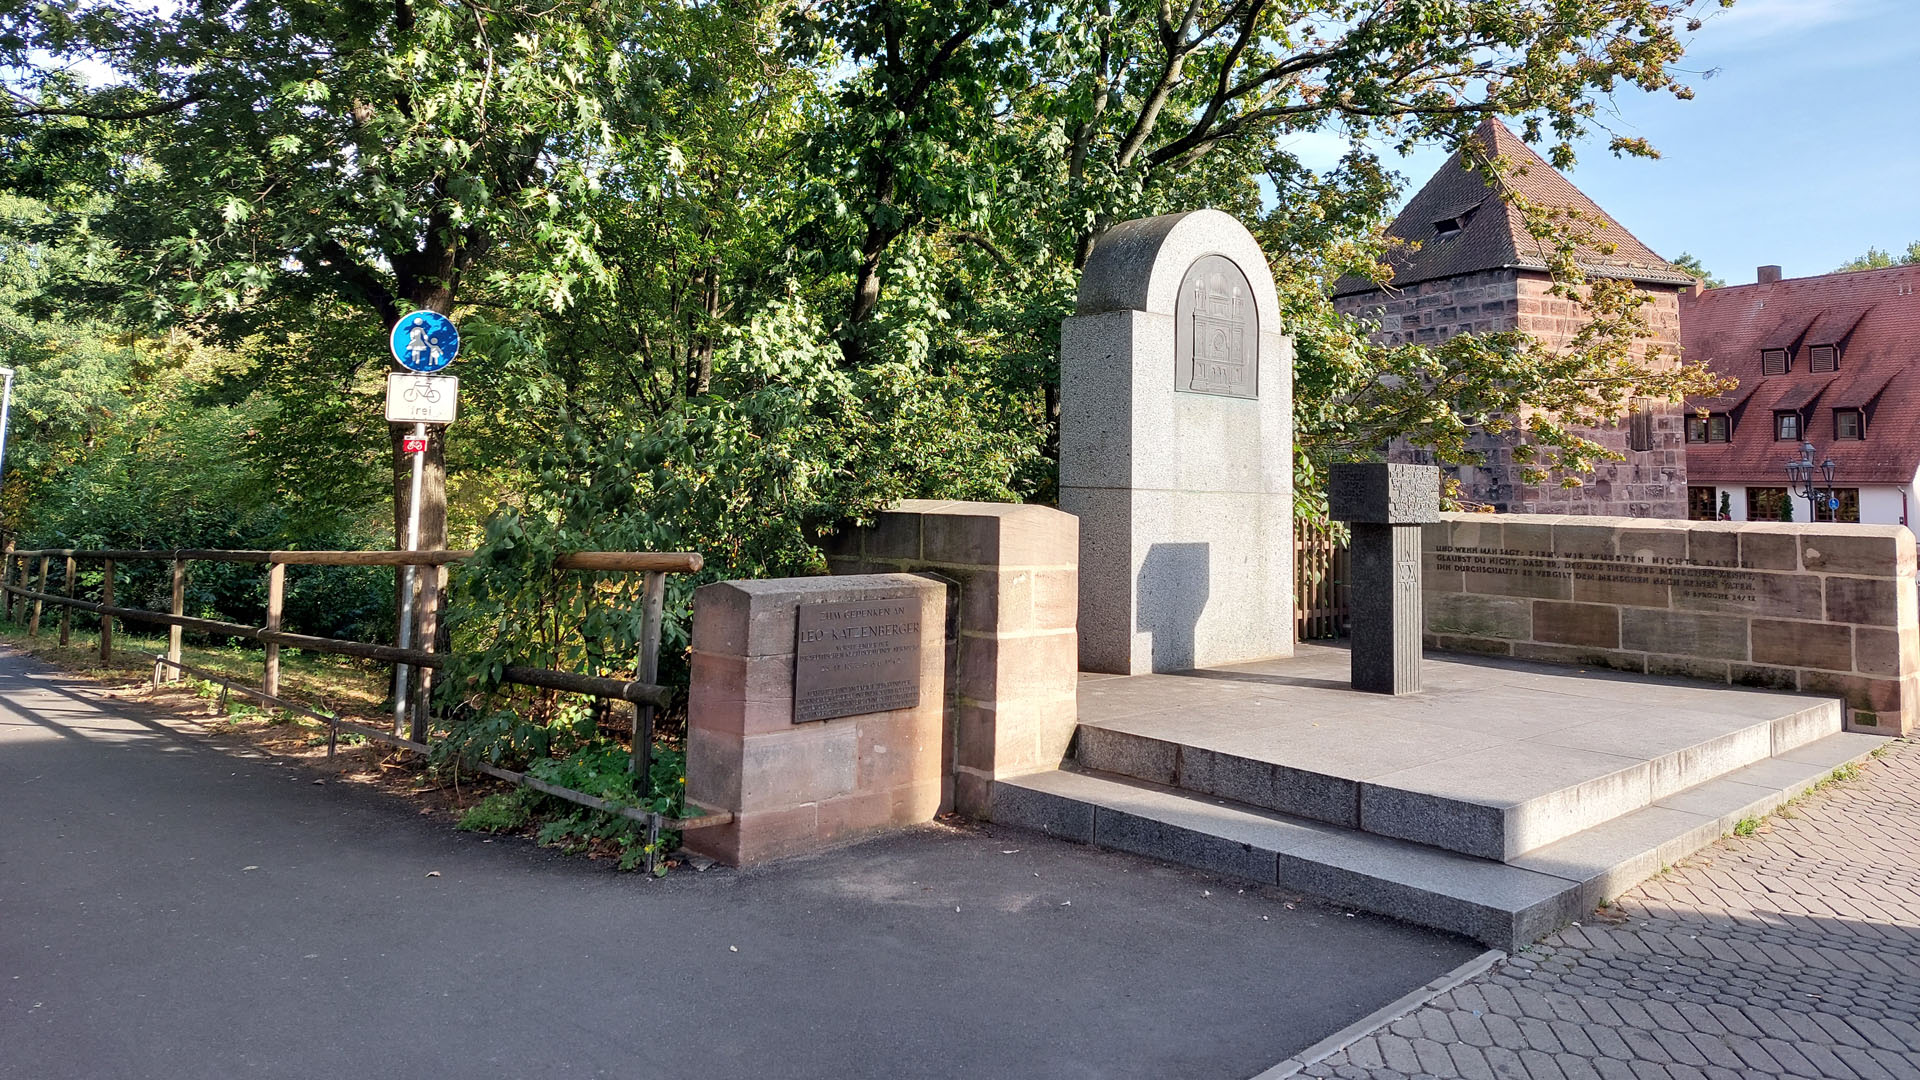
173 911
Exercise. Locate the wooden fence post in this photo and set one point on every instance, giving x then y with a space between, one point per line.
652 614
33 625
66 613
106 620
276 601
1320 576
6 579
179 608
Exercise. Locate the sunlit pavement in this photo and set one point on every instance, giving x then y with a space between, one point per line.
1794 951
169 908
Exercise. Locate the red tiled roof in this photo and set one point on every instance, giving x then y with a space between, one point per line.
1494 235
1799 395
1873 315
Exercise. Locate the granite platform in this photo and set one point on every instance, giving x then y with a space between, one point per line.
1501 802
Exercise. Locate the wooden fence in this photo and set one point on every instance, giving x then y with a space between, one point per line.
22 586
1321 565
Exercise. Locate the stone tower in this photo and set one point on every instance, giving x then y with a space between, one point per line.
1477 269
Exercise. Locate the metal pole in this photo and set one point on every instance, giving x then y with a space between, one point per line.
406 589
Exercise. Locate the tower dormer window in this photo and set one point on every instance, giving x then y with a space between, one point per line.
1823 358
1773 362
1446 227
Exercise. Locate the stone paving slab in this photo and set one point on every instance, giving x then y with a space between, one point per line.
1793 952
1503 905
1495 759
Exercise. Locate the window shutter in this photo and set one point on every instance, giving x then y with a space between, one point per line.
1773 361
1640 430
1823 358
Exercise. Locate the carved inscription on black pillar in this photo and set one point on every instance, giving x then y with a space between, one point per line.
856 657
1386 505
1216 331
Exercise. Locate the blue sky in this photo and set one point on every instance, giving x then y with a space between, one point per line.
1801 148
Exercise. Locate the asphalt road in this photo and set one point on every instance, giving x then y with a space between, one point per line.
171 909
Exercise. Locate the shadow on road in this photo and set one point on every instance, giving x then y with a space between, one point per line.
173 911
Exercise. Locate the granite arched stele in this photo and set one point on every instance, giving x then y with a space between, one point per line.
1176 448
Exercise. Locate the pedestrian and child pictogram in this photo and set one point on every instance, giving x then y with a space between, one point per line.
424 341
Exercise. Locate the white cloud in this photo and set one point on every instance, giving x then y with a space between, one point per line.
1753 22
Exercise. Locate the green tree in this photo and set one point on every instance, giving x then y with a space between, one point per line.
1876 259
630 203
1016 148
258 161
1691 264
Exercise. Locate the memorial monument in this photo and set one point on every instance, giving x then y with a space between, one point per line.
1176 448
1385 506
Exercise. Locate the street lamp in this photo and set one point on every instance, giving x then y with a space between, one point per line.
1800 475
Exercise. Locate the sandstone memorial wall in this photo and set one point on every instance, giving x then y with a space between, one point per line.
1817 608
816 711
1012 668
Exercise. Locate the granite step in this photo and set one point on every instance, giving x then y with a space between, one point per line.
1499 802
1506 905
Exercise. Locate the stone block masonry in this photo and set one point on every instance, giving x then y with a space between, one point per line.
1176 448
1012 664
1642 483
797 787
1817 608
1385 505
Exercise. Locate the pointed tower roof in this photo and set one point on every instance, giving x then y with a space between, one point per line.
1463 226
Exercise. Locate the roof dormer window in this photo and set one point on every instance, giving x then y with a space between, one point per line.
1452 226
1823 358
1774 362
1711 428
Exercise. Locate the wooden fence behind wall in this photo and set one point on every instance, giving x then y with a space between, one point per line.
1320 570
25 587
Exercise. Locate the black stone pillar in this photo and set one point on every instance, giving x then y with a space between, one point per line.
1385 506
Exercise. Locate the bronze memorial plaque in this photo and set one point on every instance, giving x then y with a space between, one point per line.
1216 331
855 657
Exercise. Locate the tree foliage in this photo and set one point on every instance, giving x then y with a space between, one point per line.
1876 259
729 272
1692 265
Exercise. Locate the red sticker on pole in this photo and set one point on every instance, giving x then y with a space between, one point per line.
414 444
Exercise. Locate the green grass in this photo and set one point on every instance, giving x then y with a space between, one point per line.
1748 826
502 811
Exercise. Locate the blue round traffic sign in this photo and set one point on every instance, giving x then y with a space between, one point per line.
424 341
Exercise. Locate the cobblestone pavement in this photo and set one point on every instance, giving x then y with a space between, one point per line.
1791 952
